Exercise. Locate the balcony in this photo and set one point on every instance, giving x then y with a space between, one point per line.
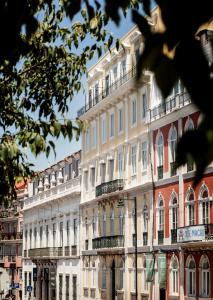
145 238
109 187
160 172
166 107
11 236
108 91
45 252
173 236
69 187
160 237
173 170
108 242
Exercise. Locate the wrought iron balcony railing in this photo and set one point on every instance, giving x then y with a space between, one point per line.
173 170
8 236
160 237
145 238
173 236
45 252
166 107
109 187
108 242
160 172
108 90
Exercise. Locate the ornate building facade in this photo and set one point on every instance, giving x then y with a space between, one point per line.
51 233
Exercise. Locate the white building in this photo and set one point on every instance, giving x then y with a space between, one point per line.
51 233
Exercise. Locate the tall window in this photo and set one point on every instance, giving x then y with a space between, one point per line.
47 235
204 205
115 73
144 155
121 222
103 172
133 111
112 125
111 169
60 286
160 150
35 237
205 278
94 135
92 176
144 106
67 287
104 277
103 130
174 211
121 275
145 283
30 238
107 84
54 233
191 278
120 164
112 217
87 139
86 228
41 236
75 231
120 119
93 273
68 232
104 222
123 67
61 234
145 218
96 93
93 224
172 143
161 215
174 276
191 207
133 160
86 181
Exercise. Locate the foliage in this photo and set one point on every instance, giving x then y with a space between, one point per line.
42 62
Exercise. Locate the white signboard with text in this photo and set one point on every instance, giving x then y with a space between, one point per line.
191 233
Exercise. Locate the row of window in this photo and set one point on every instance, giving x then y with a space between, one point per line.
91 132
42 235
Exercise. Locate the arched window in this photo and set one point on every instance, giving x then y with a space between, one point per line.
204 205
174 217
172 149
121 275
93 273
121 222
174 276
189 126
112 221
160 160
191 277
205 277
104 222
160 221
104 277
191 207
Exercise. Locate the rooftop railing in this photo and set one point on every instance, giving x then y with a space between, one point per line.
107 91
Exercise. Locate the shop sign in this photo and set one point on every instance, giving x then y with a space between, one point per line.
191 233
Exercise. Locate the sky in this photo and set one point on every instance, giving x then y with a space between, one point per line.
63 146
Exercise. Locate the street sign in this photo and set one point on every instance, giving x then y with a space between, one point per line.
34 274
120 203
16 285
29 288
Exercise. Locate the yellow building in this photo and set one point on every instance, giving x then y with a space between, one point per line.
115 170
